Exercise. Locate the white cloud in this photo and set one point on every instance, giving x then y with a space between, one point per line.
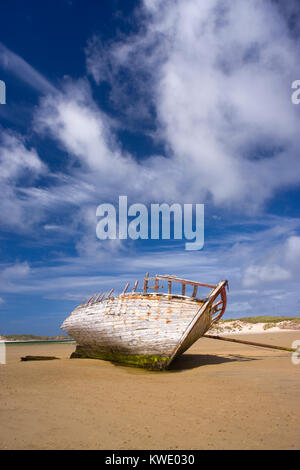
261 279
293 249
76 123
17 162
221 92
13 276
18 66
240 307
16 271
17 159
269 273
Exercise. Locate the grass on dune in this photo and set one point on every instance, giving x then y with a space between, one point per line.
264 319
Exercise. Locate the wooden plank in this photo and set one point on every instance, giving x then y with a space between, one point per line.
115 322
217 310
183 289
195 291
98 297
38 358
135 286
217 303
213 295
156 286
90 300
109 294
138 326
251 343
125 289
146 283
185 281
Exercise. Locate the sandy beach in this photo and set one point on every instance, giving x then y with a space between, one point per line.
217 396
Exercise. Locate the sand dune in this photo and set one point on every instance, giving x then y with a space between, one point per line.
242 327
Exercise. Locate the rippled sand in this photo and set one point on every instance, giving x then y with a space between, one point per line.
217 396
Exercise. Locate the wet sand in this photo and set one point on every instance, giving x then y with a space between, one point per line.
218 395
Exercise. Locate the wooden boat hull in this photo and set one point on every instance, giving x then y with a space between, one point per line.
145 330
136 330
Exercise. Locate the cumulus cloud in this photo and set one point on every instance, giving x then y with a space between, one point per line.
219 95
269 273
17 162
221 92
279 261
75 121
292 250
225 117
16 271
13 275
261 279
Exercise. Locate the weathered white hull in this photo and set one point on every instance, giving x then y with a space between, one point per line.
134 325
147 330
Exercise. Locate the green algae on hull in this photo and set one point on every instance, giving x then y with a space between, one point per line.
147 361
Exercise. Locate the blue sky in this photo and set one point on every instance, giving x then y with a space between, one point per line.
162 101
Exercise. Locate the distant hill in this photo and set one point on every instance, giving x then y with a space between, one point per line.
34 338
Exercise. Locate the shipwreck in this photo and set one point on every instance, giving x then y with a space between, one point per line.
147 328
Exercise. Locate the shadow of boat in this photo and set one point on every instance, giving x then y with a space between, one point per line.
189 361
192 361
